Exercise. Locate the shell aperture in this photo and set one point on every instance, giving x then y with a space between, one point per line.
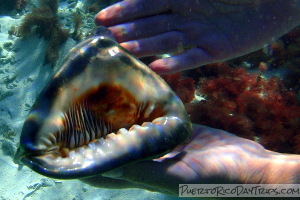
102 109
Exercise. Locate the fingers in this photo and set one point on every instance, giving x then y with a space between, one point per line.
189 59
130 9
146 27
172 41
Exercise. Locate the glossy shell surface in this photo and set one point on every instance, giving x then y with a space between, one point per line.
103 109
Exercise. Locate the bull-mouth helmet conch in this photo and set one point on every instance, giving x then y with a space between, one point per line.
103 109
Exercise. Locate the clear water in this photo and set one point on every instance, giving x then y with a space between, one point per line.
23 74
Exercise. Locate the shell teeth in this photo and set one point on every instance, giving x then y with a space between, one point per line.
53 148
64 152
100 151
101 141
81 150
47 142
110 136
92 145
149 109
122 131
134 127
146 124
72 154
52 138
141 129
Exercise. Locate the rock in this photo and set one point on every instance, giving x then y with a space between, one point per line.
8 147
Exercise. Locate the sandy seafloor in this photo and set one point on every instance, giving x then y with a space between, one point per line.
22 77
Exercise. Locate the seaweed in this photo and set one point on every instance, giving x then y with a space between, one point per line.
248 105
95 6
20 4
44 23
9 5
184 87
52 4
280 54
77 34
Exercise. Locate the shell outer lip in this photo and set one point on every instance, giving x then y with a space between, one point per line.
36 164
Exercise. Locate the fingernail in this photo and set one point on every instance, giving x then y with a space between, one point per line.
99 18
162 66
133 47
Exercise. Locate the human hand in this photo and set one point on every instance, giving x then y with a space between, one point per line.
197 32
210 156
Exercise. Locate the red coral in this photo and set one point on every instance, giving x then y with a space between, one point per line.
183 87
249 106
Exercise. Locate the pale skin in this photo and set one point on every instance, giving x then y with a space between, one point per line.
198 32
210 156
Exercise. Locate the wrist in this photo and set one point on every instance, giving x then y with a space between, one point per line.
282 169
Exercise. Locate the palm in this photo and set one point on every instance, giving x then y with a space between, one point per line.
210 156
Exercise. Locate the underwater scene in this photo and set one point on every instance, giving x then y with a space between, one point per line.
110 99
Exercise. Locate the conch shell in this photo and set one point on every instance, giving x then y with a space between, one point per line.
101 110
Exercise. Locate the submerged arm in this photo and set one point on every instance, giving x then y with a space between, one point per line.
211 156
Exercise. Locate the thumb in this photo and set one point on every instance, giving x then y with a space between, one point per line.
115 173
